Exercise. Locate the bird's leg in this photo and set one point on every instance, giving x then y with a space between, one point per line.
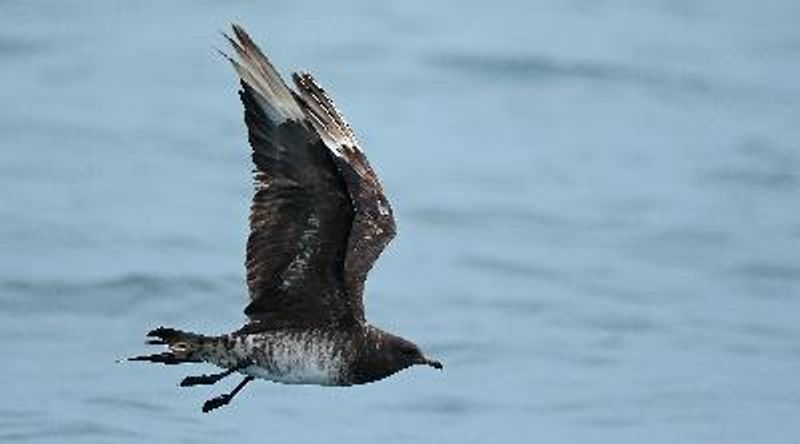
206 379
226 398
212 378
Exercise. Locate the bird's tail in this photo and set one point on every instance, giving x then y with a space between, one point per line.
181 346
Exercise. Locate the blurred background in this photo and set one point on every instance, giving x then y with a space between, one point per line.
597 205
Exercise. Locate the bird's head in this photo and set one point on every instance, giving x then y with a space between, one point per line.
384 354
406 354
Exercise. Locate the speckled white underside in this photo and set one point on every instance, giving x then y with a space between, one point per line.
292 358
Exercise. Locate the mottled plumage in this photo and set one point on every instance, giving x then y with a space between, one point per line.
319 220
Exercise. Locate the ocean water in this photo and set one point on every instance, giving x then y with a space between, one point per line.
598 206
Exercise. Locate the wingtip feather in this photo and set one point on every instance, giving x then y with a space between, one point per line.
254 68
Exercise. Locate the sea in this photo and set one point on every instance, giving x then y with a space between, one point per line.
598 210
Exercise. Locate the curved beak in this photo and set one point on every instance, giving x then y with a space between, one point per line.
435 364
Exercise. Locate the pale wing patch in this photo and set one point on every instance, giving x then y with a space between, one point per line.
325 117
256 70
307 246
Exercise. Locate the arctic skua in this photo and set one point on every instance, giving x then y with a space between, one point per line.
319 220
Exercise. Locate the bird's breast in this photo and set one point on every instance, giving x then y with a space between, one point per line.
305 357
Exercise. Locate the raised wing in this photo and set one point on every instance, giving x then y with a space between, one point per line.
373 223
301 212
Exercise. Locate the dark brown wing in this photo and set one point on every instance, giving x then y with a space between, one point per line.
301 213
373 223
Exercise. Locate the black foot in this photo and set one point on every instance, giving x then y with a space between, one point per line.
215 403
199 380
221 400
205 379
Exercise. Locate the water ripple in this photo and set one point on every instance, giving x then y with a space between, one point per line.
511 268
69 431
485 216
538 67
127 292
768 271
17 47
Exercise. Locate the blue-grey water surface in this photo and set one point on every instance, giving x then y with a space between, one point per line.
598 206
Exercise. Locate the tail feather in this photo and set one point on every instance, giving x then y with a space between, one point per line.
166 358
183 346
169 335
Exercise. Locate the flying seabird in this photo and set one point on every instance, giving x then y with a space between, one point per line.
319 220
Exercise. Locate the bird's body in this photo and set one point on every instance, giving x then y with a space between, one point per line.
290 356
285 356
319 220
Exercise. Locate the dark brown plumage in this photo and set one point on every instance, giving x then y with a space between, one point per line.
319 220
